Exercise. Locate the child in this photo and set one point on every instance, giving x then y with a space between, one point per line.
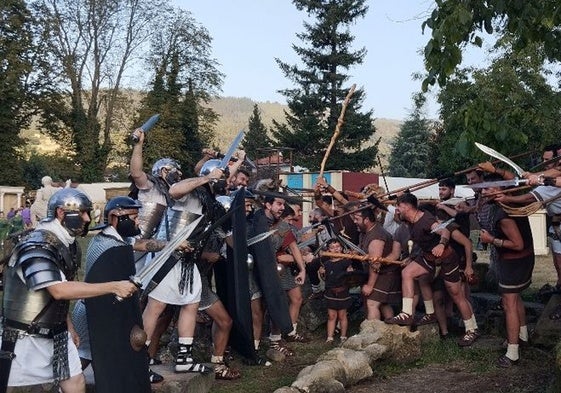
336 293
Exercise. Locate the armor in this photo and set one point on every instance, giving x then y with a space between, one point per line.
209 166
40 257
162 163
225 201
73 203
149 218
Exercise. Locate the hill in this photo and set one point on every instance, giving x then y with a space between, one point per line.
234 114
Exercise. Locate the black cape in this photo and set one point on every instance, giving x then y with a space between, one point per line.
232 283
265 267
117 366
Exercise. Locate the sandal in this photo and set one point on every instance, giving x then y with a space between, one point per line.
426 319
282 349
468 338
154 377
401 319
297 338
222 371
154 361
505 362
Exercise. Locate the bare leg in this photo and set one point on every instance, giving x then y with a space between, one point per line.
331 321
150 316
75 384
223 324
257 318
295 300
187 320
344 322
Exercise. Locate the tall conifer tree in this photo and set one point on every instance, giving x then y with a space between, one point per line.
320 87
256 136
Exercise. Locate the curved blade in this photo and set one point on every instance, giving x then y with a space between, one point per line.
495 154
260 237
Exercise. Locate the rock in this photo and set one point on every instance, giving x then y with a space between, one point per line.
275 356
548 331
429 333
313 314
324 376
286 389
356 364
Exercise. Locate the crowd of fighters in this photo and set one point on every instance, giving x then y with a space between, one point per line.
167 236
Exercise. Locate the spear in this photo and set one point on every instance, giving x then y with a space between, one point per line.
337 129
364 258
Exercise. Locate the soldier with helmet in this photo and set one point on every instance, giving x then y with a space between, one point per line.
38 340
111 333
186 201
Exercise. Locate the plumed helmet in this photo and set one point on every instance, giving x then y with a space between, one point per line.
117 204
162 163
208 167
69 200
225 201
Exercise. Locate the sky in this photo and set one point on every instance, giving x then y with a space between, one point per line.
249 34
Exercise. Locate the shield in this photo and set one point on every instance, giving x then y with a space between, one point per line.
120 365
265 268
232 283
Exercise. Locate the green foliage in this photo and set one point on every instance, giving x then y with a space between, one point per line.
315 103
59 168
185 80
16 49
256 136
411 150
508 106
457 23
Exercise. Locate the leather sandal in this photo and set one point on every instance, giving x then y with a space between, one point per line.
401 319
282 349
468 339
223 371
505 362
426 319
154 377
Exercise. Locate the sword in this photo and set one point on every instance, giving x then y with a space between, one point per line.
495 154
442 225
147 126
260 237
163 255
498 183
231 150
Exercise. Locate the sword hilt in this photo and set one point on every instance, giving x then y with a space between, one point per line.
135 281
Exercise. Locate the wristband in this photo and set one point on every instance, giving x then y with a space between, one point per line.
498 242
444 241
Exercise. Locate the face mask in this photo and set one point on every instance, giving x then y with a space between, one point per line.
173 177
74 224
127 227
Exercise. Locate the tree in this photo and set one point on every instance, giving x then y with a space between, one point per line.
315 103
91 45
410 150
457 23
17 48
256 136
509 106
186 77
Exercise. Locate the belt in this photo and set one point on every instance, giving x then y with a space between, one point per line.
429 257
515 254
36 329
337 290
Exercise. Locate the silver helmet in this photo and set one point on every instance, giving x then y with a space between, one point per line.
209 166
225 201
73 203
162 163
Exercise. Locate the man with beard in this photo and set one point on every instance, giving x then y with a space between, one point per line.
383 287
287 252
38 340
435 251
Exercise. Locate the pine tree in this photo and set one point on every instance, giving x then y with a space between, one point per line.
315 103
256 136
410 150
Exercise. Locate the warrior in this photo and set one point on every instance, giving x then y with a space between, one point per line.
38 340
111 331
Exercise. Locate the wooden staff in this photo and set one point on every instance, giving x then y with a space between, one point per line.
364 258
337 129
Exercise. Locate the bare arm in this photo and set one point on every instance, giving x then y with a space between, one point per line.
295 251
73 290
184 187
468 249
138 175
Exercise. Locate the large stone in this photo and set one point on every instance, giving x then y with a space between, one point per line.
548 331
286 389
324 376
401 343
313 314
429 333
356 364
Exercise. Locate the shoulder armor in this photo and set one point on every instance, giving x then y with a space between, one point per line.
39 258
